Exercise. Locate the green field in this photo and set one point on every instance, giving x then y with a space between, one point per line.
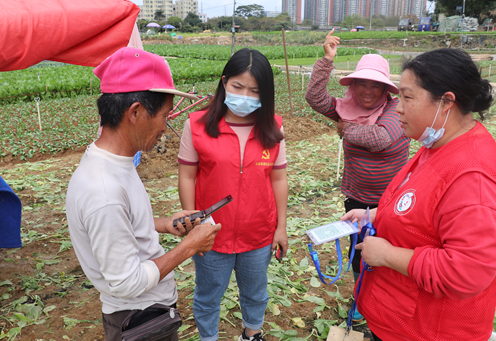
338 61
189 64
313 37
214 52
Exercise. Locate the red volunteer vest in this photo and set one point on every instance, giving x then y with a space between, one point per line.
250 220
405 218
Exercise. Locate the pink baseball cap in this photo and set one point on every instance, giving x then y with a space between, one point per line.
373 67
130 70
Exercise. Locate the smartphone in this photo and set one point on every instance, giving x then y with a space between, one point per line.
278 253
205 213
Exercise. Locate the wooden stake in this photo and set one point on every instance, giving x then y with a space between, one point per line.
37 100
339 157
287 70
302 79
91 87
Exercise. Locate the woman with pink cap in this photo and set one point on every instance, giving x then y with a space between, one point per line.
375 147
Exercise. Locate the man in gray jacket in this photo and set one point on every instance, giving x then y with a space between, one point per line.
113 231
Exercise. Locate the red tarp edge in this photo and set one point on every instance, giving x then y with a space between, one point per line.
75 32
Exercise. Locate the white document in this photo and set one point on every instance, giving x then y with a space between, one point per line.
208 220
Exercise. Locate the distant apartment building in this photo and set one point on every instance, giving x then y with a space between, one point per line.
310 11
271 14
293 8
383 7
391 8
140 14
327 12
203 17
183 7
150 7
418 7
357 7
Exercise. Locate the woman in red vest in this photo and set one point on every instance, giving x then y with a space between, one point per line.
236 147
434 269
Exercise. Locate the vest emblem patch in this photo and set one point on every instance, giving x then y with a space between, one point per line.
266 154
405 202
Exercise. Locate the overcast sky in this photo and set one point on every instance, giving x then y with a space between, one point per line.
216 8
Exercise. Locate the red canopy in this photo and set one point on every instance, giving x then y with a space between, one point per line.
76 32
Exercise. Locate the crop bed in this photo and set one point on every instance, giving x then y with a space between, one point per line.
214 52
192 64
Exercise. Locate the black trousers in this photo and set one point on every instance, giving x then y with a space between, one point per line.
112 326
350 204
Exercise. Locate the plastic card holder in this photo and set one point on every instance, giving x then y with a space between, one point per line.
332 231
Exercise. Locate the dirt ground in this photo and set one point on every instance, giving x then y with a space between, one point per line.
158 164
75 298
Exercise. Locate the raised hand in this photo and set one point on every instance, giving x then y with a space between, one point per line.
331 46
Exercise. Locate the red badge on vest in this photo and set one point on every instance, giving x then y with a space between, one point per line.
405 202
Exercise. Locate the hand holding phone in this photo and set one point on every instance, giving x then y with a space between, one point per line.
278 253
192 218
205 213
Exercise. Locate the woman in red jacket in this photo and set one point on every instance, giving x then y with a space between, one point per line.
236 147
434 269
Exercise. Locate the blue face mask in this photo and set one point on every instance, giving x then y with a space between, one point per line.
430 135
242 105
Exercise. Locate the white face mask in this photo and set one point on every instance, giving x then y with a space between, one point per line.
430 135
240 105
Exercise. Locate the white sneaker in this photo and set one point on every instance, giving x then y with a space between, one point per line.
256 337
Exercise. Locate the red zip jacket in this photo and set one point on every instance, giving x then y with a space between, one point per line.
250 220
450 293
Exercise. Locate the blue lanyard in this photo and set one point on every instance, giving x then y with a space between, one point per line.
316 262
371 232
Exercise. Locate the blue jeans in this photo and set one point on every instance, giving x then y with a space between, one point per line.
213 272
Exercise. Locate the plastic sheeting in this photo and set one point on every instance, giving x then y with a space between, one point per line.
76 32
449 24
10 217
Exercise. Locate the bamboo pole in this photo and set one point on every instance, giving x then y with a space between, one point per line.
339 157
37 100
287 71
302 78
